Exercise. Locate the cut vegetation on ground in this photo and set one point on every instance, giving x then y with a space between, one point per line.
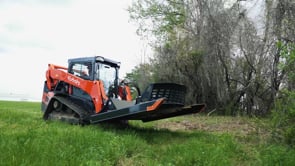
25 139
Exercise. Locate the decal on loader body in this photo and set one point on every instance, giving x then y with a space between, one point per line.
75 81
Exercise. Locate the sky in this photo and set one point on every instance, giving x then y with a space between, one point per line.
34 33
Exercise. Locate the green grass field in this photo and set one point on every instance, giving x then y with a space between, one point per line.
26 139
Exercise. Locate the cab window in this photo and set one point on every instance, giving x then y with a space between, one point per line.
82 70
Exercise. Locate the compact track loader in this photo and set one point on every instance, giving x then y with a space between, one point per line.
88 91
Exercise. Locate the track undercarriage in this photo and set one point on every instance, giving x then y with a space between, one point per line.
61 108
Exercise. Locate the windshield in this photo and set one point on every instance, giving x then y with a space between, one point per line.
107 74
81 69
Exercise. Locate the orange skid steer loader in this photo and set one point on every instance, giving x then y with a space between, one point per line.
88 92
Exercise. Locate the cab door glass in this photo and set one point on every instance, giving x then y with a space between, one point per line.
107 75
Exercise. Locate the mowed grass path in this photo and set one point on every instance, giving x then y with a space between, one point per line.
26 139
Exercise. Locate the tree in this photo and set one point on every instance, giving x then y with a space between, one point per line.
141 76
217 51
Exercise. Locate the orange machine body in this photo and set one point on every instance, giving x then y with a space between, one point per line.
93 87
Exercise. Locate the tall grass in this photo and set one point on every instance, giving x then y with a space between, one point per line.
25 139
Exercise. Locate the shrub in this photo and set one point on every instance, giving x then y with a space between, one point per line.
284 118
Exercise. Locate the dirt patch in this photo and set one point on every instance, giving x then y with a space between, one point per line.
233 125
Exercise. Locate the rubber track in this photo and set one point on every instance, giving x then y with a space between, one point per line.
80 111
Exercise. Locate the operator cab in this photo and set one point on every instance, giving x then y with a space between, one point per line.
97 68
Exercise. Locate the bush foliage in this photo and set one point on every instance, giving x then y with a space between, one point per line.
284 114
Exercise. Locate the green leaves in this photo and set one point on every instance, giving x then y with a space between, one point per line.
287 65
158 17
284 117
284 114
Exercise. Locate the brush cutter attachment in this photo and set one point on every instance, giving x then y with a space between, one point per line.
159 101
